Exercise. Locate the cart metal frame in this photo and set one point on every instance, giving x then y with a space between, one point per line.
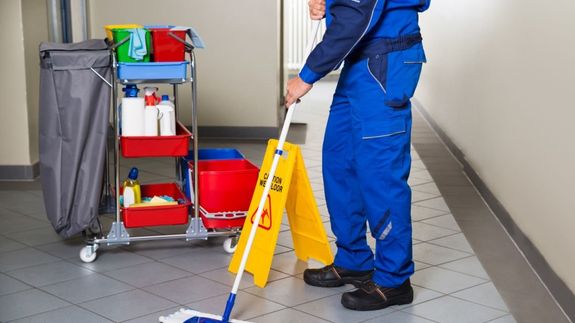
118 235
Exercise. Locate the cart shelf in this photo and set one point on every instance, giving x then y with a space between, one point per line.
157 146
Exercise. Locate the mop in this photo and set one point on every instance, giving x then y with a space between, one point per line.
191 316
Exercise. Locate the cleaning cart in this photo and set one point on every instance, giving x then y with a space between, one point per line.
186 211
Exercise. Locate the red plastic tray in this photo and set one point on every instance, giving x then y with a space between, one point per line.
157 146
222 222
158 215
165 47
224 186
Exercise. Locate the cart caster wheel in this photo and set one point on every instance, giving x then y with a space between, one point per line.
230 244
88 254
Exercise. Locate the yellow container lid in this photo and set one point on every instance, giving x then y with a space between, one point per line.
109 29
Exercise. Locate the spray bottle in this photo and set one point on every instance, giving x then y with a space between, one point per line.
151 113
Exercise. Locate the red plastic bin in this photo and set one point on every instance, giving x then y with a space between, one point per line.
157 146
225 186
158 215
165 47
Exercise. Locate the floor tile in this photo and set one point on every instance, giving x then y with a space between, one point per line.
470 266
452 310
289 264
17 223
421 295
485 294
445 221
419 213
425 232
444 281
330 308
457 241
288 315
285 239
22 258
398 317
223 276
504 319
50 273
420 265
87 288
27 303
417 196
293 291
72 314
65 249
247 306
200 260
110 259
413 181
437 203
35 237
128 305
162 249
188 290
10 285
435 255
147 274
422 173
7 245
430 188
153 317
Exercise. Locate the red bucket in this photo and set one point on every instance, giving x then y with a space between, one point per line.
166 48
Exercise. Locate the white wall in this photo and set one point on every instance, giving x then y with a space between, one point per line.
500 83
238 72
18 139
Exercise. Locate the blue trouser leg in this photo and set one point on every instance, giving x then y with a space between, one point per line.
344 202
366 166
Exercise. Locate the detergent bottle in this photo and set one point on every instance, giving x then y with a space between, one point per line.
132 191
132 112
167 117
151 113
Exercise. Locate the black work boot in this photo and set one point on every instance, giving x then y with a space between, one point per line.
332 276
370 296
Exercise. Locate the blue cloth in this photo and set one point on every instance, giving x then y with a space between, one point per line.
137 49
366 149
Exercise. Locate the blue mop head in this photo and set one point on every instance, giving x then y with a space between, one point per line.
185 315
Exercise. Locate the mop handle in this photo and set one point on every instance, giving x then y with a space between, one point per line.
268 185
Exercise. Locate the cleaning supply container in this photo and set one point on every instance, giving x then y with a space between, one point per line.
137 217
166 48
109 29
123 51
205 154
226 188
167 116
132 190
132 112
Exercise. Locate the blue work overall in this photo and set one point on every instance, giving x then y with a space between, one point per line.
366 149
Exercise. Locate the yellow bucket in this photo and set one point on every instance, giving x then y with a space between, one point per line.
109 29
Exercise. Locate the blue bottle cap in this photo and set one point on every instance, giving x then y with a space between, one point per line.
131 90
133 173
165 97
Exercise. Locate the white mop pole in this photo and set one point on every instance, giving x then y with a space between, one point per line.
267 187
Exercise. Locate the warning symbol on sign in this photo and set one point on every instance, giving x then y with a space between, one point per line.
266 219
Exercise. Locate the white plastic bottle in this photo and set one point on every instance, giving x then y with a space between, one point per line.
151 112
132 116
167 117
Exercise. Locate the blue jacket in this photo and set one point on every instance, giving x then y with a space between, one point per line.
350 22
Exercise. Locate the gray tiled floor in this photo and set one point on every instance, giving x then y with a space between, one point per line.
42 279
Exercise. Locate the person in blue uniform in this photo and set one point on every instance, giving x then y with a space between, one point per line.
366 149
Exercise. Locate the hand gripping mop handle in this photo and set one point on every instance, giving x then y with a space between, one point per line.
267 187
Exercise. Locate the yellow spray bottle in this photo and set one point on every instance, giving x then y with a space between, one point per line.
132 191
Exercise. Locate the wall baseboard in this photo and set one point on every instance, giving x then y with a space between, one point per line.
562 294
19 172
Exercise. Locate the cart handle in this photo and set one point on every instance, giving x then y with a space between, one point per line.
189 46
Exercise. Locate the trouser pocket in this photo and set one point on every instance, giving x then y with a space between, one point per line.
397 73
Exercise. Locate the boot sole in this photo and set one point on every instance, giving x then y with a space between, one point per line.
338 283
407 299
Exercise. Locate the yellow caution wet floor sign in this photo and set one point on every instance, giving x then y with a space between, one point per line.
291 191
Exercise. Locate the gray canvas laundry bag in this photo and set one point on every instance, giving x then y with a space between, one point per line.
74 121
